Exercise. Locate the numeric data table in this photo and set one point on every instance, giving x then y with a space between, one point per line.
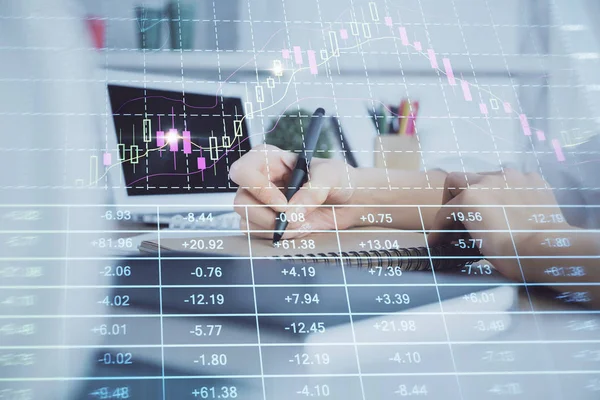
83 310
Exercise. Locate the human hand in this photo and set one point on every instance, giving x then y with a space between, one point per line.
262 175
474 207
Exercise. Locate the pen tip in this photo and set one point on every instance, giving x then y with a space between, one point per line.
320 110
277 237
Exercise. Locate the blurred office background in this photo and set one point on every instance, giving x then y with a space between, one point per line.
503 47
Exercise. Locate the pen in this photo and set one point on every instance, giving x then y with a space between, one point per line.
380 117
395 123
412 119
383 125
300 172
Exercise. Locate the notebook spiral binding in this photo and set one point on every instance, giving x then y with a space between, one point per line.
409 259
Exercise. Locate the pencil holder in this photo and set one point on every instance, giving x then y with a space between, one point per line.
149 23
397 152
181 25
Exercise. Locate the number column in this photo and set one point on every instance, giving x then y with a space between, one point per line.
563 257
33 242
113 302
397 324
210 333
496 338
301 306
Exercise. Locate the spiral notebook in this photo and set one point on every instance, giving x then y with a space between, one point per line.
355 247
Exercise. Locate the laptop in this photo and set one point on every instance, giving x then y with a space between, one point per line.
170 143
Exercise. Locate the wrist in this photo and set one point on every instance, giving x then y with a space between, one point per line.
362 180
348 213
360 183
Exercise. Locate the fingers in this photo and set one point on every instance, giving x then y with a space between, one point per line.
324 178
256 217
263 216
512 178
444 221
456 193
258 185
456 182
257 171
260 231
256 230
470 211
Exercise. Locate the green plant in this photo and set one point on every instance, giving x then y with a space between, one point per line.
287 131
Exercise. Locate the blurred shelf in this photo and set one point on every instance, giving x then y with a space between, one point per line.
173 62
197 62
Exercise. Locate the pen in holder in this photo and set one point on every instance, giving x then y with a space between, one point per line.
396 143
181 25
149 24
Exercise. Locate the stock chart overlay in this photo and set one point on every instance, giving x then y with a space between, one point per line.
286 199
154 157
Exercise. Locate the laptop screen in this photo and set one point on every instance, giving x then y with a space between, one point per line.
175 143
